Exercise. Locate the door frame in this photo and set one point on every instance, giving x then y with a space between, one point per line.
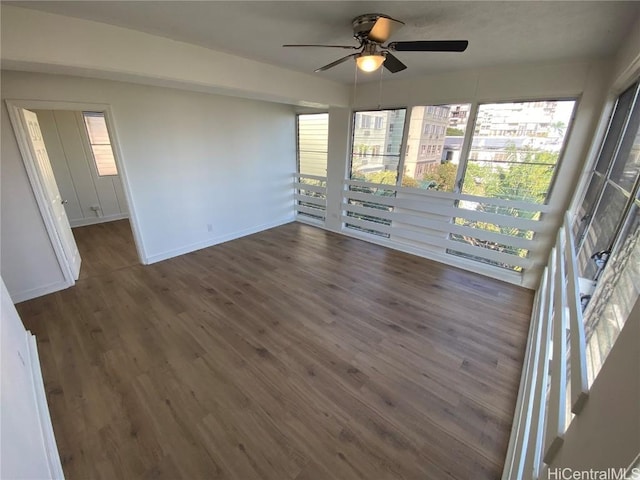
13 107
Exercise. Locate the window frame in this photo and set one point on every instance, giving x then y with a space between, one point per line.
403 140
90 113
605 176
298 115
467 142
469 134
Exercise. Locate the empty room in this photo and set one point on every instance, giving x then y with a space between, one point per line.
320 240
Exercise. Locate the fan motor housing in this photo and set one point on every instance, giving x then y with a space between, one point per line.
363 24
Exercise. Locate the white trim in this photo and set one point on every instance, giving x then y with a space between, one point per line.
521 427
83 222
442 195
397 234
310 177
320 212
124 177
556 410
441 226
579 381
46 427
311 188
321 202
314 222
38 291
216 240
13 104
422 206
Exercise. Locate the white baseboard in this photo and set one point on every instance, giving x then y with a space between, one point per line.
83 222
311 221
215 241
38 291
48 437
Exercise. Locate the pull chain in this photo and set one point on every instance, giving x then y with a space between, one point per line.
355 86
380 90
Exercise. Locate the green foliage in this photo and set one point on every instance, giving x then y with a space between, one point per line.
528 180
454 132
386 177
441 177
411 182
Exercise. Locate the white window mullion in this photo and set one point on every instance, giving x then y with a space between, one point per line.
403 146
466 147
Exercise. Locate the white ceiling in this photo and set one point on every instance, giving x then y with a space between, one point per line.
499 33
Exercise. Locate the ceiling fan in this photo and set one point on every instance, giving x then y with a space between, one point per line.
371 30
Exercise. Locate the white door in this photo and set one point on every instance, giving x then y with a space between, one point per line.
54 201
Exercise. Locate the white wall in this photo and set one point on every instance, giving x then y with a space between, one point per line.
75 170
23 438
189 159
627 60
82 47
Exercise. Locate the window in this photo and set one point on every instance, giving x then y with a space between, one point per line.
313 140
514 151
609 310
100 143
365 121
510 154
609 220
506 163
607 199
432 130
367 163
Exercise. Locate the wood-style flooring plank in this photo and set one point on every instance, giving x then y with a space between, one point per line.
293 353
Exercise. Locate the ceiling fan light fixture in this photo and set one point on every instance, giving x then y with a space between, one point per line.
369 62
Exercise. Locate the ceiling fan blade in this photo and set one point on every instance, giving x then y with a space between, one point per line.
350 47
383 29
430 46
392 64
333 64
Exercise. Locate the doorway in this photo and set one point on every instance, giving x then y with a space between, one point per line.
71 155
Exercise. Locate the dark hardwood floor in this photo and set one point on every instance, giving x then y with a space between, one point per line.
293 353
105 247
